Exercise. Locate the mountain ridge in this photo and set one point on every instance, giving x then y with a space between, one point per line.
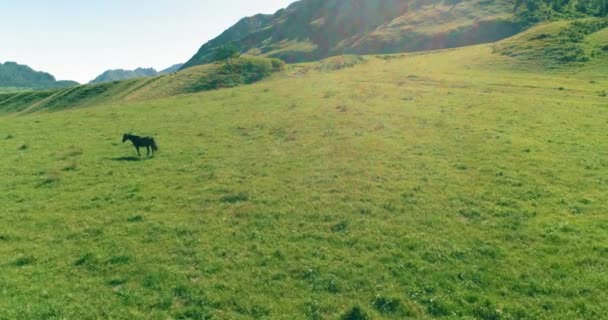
14 75
315 29
309 30
123 74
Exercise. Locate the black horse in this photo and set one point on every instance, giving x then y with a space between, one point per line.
138 142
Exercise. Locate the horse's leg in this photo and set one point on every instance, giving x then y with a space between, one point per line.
137 148
148 151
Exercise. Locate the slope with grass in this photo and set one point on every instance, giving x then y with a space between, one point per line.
314 29
310 30
208 77
553 44
454 184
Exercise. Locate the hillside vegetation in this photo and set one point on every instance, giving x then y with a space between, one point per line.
550 45
314 29
456 184
562 42
532 11
208 77
13 75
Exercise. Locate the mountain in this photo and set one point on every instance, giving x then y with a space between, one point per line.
314 29
121 74
171 69
21 76
243 70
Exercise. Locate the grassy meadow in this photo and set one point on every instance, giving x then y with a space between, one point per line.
455 184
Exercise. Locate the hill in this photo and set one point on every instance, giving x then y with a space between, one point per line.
553 44
121 74
201 78
171 69
454 184
13 75
314 29
572 44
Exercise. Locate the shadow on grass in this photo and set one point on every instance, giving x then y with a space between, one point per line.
128 159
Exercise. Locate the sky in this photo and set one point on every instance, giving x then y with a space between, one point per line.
78 40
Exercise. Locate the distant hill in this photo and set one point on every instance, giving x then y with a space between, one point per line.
13 75
121 74
314 29
240 71
171 69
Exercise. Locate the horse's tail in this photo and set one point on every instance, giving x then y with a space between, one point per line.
154 146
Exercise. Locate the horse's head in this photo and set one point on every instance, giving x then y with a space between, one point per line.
125 137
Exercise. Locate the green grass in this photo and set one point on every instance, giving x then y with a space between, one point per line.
245 70
314 30
438 185
13 90
553 44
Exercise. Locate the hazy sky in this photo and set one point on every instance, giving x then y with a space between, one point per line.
78 40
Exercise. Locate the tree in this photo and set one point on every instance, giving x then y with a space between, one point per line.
226 52
541 9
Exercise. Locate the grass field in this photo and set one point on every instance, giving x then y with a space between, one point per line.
440 185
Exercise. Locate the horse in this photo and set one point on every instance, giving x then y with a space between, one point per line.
138 142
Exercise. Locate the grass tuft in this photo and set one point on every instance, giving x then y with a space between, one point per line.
356 313
23 261
136 218
236 197
386 305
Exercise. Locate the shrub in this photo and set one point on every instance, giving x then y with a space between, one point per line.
234 198
340 227
225 52
51 178
235 72
540 36
23 261
339 62
386 305
84 259
356 313
136 218
70 166
486 311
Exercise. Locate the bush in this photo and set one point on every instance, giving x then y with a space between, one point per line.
386 305
339 62
225 52
237 197
355 313
235 72
252 69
